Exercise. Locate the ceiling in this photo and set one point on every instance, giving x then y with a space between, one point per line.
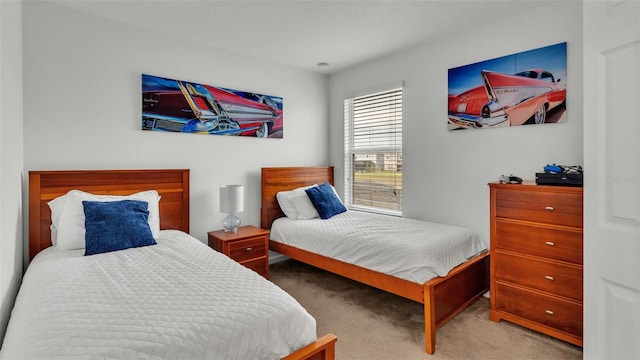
304 33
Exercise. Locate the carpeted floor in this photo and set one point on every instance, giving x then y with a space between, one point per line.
372 324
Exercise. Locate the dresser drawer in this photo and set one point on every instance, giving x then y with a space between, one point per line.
563 315
558 243
553 277
546 207
248 249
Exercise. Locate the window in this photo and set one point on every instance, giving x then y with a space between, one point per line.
373 151
545 76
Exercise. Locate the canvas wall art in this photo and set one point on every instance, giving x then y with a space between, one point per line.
190 107
519 89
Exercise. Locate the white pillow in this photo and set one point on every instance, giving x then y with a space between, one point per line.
54 234
56 205
67 215
286 205
303 204
294 206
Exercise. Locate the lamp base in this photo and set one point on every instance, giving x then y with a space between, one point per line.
231 223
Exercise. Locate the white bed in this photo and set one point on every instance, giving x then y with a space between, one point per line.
413 250
124 280
457 278
175 300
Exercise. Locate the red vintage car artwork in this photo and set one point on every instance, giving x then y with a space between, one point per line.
182 106
507 100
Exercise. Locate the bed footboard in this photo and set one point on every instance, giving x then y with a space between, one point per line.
444 297
321 349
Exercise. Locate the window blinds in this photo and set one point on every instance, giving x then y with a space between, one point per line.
373 150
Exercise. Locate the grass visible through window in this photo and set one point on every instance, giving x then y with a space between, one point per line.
381 189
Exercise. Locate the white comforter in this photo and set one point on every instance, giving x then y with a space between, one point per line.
409 249
175 300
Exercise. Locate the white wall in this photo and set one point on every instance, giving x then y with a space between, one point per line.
11 150
82 94
445 173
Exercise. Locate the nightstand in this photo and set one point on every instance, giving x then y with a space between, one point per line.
249 247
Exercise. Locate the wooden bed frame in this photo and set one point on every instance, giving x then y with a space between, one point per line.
443 297
173 187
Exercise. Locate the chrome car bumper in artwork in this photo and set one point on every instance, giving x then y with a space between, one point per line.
221 126
476 122
492 114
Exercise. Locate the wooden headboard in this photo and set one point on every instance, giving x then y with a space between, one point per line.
277 179
172 185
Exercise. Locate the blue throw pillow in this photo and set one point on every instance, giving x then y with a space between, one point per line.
116 225
326 202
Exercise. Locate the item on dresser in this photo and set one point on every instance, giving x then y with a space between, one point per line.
510 179
555 169
536 258
562 175
249 246
445 289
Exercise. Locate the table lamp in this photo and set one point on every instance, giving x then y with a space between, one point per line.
231 201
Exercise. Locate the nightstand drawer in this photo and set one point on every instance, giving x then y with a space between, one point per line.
248 246
549 276
248 249
558 243
550 208
563 315
258 265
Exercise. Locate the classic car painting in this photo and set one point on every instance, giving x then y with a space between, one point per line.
521 89
189 107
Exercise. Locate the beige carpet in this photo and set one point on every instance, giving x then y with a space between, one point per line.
371 324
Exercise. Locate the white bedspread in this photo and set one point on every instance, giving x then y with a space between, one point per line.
409 249
175 300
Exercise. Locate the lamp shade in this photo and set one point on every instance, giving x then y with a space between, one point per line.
231 198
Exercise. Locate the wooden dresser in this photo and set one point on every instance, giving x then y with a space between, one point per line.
536 258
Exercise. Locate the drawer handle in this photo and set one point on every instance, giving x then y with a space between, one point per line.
248 249
548 277
549 312
550 243
550 208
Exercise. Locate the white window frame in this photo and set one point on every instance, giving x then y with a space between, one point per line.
350 150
